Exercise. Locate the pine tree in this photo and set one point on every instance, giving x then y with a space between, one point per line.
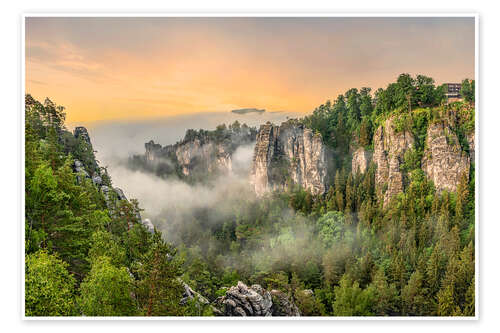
158 290
414 296
387 298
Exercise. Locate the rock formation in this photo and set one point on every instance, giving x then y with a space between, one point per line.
389 150
289 151
360 160
112 195
209 156
241 300
444 162
82 132
202 152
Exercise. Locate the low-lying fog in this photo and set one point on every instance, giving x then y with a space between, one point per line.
116 141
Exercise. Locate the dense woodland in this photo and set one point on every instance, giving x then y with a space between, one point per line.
338 254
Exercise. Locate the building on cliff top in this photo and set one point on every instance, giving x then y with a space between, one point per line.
453 92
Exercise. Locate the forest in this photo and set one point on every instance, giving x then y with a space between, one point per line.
343 253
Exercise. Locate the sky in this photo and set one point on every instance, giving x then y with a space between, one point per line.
133 69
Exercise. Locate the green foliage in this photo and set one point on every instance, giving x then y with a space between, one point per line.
107 290
158 289
412 158
49 287
468 90
415 297
80 246
332 228
351 300
341 253
105 244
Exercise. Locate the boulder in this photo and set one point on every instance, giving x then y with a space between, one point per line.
97 180
147 223
241 300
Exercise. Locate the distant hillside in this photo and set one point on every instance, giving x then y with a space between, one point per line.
248 110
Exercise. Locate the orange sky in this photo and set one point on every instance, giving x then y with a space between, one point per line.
137 68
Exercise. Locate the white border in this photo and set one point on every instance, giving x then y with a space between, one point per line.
266 14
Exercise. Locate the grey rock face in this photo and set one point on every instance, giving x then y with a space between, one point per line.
289 150
152 150
97 180
203 153
79 169
209 156
389 150
241 300
119 193
82 132
444 162
189 293
360 160
111 199
147 223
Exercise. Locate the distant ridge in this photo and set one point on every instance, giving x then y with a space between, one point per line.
248 110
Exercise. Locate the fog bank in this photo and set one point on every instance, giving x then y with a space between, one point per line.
162 199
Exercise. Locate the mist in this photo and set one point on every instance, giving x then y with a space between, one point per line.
170 201
187 214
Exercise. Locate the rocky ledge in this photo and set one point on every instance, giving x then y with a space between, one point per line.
241 300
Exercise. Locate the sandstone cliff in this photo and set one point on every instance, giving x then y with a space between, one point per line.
203 152
389 149
361 158
444 162
289 152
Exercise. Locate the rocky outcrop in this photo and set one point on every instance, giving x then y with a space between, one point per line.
207 156
282 305
82 132
289 151
389 149
241 300
444 162
190 294
360 160
201 152
112 195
